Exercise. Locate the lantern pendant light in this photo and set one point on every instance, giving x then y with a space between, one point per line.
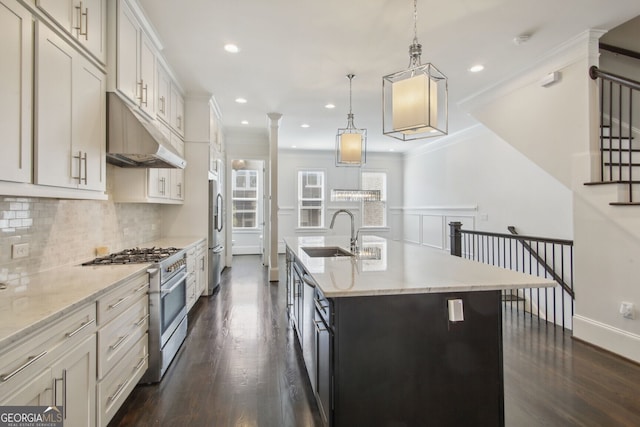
351 143
415 100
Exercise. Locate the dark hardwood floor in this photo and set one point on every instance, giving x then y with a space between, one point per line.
238 367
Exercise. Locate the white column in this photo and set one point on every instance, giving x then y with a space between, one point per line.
272 232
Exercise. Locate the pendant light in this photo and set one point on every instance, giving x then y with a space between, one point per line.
351 143
415 100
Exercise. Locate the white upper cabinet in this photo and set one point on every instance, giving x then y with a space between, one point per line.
177 111
84 20
70 116
16 51
136 61
164 88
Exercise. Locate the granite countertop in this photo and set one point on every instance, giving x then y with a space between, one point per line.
386 267
31 302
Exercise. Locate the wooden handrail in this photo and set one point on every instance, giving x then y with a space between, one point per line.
620 50
542 262
595 72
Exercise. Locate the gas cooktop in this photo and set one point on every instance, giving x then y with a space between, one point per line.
134 256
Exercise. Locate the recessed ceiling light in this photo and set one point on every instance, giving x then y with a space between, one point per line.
244 122
392 149
521 39
294 146
476 68
241 100
232 48
329 106
304 125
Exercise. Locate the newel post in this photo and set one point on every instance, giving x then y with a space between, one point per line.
455 232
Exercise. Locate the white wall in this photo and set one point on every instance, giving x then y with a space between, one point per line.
557 129
290 161
477 178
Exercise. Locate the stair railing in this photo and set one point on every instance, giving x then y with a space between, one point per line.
539 256
619 97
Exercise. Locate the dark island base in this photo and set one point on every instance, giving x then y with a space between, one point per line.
398 361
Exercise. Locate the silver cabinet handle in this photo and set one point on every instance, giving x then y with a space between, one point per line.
140 363
141 287
162 102
308 280
30 361
114 396
144 91
84 325
79 177
64 393
84 159
120 301
141 321
318 328
320 307
119 342
86 22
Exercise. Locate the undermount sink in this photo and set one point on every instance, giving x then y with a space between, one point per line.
326 251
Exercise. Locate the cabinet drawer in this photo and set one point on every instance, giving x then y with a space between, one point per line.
119 335
37 351
118 300
116 386
323 307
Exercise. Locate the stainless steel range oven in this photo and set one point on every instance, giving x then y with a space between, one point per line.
167 302
167 313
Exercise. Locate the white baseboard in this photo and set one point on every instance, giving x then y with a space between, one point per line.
618 341
246 250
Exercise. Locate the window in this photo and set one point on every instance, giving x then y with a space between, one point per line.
245 198
310 199
374 214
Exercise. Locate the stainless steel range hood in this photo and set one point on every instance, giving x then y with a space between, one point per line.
133 141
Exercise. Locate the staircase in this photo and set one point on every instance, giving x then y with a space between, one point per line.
619 152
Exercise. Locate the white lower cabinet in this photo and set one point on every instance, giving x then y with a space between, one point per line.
201 268
191 277
85 366
55 367
74 381
123 352
36 392
115 387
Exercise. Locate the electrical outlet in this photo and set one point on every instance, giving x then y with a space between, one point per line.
627 310
19 250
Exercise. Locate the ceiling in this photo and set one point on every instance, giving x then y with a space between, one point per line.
295 54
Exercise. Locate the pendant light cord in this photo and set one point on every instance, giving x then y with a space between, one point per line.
415 21
350 124
415 50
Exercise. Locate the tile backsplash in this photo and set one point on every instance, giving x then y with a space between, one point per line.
62 232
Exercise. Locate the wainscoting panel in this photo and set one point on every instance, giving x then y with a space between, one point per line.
412 232
429 226
433 231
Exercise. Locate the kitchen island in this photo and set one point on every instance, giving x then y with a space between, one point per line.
399 334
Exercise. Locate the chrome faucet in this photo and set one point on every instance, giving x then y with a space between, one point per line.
354 237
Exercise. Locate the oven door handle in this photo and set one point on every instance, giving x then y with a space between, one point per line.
174 287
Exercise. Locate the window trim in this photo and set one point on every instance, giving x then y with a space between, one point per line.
256 199
323 199
385 200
